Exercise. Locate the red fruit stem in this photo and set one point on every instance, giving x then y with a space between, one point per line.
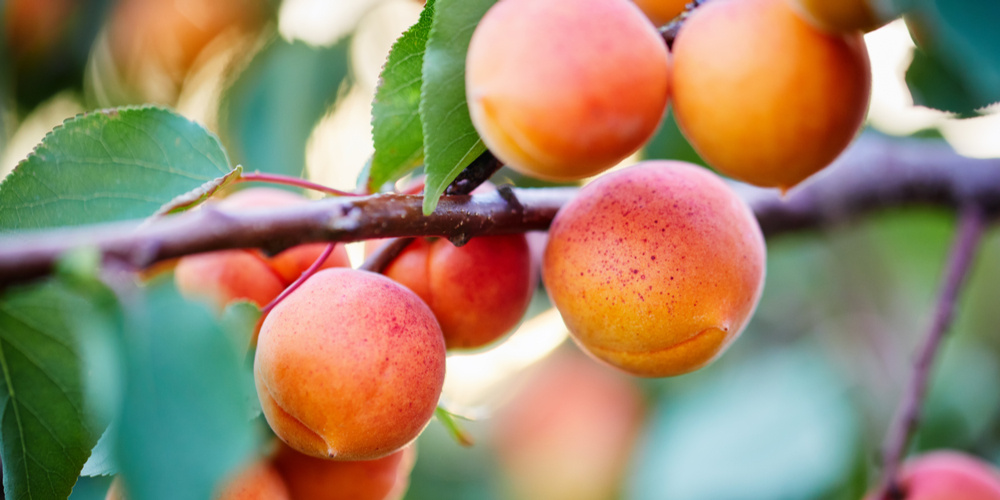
963 252
293 181
385 254
309 272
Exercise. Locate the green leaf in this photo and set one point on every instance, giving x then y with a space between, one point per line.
46 433
270 110
102 457
450 140
934 85
91 488
183 425
198 195
109 165
396 127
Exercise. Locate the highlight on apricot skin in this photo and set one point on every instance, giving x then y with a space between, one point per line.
657 268
661 12
948 475
310 478
478 292
259 481
564 90
767 120
350 366
842 16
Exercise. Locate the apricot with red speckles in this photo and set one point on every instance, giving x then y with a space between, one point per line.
311 478
948 475
564 90
349 366
763 96
259 481
656 268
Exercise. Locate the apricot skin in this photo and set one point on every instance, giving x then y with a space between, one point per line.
350 366
656 268
661 12
843 16
478 291
564 90
763 96
310 478
948 475
259 481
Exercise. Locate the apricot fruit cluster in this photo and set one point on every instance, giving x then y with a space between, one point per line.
656 268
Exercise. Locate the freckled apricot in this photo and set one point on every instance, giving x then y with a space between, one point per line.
656 268
311 478
948 475
259 481
842 16
763 96
349 366
564 90
661 12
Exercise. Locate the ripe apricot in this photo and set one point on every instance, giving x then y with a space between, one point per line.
349 366
569 433
478 292
948 475
311 478
763 96
656 268
843 16
564 90
259 481
661 12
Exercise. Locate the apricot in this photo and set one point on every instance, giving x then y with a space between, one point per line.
569 433
564 90
350 366
763 96
259 481
843 16
948 475
656 269
478 292
310 478
661 12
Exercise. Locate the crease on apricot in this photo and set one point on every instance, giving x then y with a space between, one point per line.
295 420
687 355
523 145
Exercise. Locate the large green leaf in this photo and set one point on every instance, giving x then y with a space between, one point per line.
184 423
396 127
450 140
110 165
270 111
47 432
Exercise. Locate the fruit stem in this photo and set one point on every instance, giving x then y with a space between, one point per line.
305 275
381 258
972 224
293 181
454 428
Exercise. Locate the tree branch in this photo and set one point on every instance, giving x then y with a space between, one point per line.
876 173
963 253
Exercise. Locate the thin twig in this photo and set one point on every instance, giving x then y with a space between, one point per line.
960 260
301 279
478 172
670 30
293 181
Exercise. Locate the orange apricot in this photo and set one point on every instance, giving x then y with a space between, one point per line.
350 366
568 434
657 268
661 12
842 16
259 481
219 278
948 475
478 292
564 90
763 96
311 478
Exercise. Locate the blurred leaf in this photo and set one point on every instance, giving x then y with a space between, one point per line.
102 457
184 421
959 69
450 140
961 406
669 143
396 127
46 434
91 488
270 111
239 322
776 427
448 472
109 165
198 195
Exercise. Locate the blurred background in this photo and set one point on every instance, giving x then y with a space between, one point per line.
795 410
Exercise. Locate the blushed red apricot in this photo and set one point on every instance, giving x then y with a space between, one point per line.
311 478
763 96
350 366
656 268
259 481
225 276
564 90
661 12
948 475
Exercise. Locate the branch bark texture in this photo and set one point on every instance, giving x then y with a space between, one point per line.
876 173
